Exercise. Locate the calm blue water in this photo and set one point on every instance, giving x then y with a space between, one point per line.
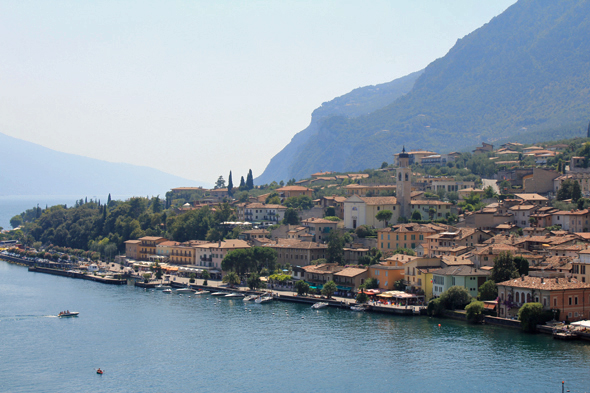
152 342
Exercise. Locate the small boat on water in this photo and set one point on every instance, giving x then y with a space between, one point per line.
235 294
358 307
184 290
319 305
250 298
161 287
65 314
99 371
167 290
263 299
202 292
219 294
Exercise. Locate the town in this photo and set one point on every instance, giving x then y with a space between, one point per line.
409 233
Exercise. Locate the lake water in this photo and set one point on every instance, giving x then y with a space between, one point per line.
152 342
10 206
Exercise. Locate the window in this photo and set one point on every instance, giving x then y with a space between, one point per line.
376 272
576 300
570 301
554 302
385 283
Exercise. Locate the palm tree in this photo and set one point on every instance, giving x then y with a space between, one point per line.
231 278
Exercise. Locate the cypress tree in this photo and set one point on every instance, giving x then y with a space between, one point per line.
242 183
250 180
230 185
109 199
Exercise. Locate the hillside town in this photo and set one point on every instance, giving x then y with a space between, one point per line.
406 231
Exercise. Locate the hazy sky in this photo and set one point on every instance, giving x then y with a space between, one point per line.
199 88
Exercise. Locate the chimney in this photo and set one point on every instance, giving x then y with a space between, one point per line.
219 245
557 280
542 280
522 277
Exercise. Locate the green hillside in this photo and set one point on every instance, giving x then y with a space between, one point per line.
525 73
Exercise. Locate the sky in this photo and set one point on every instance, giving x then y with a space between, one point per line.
199 88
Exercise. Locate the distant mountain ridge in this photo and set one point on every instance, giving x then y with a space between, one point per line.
358 102
31 169
524 74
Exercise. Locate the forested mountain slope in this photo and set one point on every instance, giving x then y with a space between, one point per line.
525 72
361 101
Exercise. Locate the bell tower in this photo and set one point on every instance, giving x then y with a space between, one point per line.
404 184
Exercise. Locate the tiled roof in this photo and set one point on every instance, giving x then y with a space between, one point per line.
373 201
544 283
293 188
351 272
461 271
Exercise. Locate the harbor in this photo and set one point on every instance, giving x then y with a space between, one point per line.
209 345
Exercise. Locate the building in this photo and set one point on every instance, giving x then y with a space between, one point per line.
464 276
484 148
431 209
406 235
387 273
297 252
370 190
294 191
319 228
362 211
132 249
350 279
461 237
147 247
568 295
261 213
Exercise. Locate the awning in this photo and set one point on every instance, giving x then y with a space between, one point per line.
384 295
341 288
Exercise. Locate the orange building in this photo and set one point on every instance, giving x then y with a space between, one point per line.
293 191
147 247
568 295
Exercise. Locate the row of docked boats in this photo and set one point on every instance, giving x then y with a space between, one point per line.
256 298
356 307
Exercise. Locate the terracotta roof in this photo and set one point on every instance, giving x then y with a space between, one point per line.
314 220
351 272
293 188
373 201
544 283
294 243
522 207
461 271
424 202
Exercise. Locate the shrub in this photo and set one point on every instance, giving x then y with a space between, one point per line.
530 315
474 312
455 298
435 308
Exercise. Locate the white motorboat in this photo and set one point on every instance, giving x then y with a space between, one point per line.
184 290
202 292
250 298
65 314
167 290
358 307
235 294
319 305
219 294
161 287
263 299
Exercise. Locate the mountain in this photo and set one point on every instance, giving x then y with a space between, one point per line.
361 101
523 75
31 169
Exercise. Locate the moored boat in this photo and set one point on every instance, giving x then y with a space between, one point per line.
219 294
358 307
167 290
263 299
319 305
202 292
250 298
235 294
184 290
161 287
